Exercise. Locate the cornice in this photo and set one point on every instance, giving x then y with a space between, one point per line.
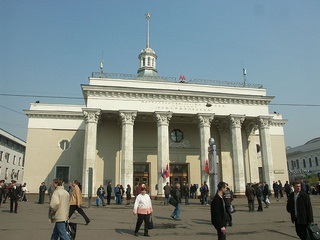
105 92
278 122
54 115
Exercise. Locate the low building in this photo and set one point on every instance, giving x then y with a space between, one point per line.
12 156
304 161
152 129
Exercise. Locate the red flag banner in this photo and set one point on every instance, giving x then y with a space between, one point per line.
167 171
206 166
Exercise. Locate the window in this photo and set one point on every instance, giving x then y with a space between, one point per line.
304 163
297 161
1 154
310 162
18 174
149 61
7 157
316 160
176 135
6 173
14 160
258 148
64 144
0 170
63 173
19 163
292 164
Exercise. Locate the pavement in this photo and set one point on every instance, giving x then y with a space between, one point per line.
118 222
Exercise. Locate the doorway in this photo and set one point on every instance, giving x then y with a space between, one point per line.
179 173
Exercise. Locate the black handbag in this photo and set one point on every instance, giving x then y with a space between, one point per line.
313 231
71 229
173 202
150 226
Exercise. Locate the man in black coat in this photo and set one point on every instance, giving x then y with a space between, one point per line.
14 195
109 191
219 217
300 209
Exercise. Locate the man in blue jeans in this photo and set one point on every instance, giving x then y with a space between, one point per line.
176 195
59 211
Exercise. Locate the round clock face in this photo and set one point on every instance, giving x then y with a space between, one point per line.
176 135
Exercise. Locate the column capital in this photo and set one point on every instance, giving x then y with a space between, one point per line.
264 121
222 125
91 115
250 127
204 120
163 118
236 120
127 117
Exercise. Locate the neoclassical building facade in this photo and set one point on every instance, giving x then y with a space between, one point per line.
136 128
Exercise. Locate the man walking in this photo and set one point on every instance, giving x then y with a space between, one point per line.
58 210
167 190
218 212
101 192
14 195
176 195
300 209
76 201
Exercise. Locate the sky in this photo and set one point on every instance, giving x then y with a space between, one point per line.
49 48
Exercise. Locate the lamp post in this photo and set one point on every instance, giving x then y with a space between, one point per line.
215 167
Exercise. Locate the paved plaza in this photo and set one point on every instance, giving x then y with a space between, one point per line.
118 222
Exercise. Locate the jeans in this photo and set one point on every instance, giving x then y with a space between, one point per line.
102 199
118 199
167 196
186 198
176 212
60 231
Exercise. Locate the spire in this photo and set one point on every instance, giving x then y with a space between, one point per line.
101 64
147 57
148 16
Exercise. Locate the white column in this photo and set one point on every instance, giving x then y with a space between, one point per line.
163 119
252 157
90 145
204 123
266 152
235 122
126 169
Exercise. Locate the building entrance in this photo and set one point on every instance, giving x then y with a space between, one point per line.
141 173
179 173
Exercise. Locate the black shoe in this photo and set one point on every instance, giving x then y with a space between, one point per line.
177 219
88 222
173 217
146 235
136 234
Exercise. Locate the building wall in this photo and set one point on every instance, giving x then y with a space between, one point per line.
45 155
12 157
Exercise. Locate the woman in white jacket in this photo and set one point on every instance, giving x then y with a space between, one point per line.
143 208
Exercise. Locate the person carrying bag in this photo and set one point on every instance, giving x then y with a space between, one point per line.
142 208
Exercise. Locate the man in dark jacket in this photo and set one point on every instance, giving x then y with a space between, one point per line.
176 195
300 209
14 195
218 212
109 191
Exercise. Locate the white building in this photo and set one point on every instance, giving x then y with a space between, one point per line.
304 160
132 128
12 153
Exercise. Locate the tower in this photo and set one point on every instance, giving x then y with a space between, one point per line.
147 57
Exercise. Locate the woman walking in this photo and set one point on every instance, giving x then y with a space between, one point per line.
142 207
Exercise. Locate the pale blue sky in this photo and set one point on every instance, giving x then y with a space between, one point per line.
51 47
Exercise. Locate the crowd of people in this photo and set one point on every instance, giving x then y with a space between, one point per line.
64 203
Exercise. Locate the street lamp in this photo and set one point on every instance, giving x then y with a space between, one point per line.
215 167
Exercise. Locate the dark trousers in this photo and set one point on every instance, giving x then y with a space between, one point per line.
108 198
15 201
228 211
251 205
79 210
301 230
221 236
141 218
259 204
